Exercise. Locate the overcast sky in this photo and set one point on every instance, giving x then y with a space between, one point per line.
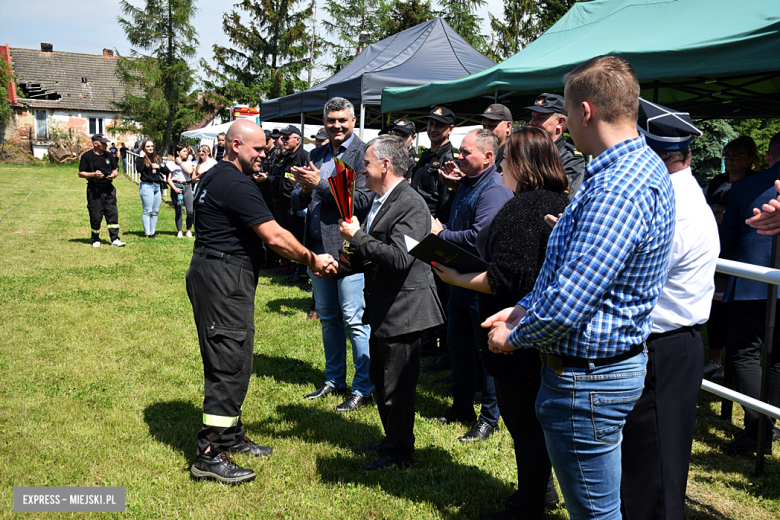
89 27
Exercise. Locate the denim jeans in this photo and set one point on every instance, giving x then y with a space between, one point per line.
583 412
151 199
464 340
340 304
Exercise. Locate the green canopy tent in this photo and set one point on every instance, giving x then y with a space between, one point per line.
712 58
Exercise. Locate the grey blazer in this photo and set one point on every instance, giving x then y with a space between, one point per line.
321 204
399 290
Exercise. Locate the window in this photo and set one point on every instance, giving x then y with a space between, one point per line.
41 130
95 125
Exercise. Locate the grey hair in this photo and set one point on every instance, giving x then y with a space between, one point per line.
393 149
337 104
486 140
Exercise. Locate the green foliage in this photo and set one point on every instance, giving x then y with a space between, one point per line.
706 150
761 130
270 49
158 82
461 15
6 111
407 14
346 20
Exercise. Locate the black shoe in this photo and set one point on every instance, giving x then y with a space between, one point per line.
775 434
745 442
250 448
452 416
510 513
326 390
440 362
479 432
354 402
551 499
293 279
309 289
445 381
222 468
385 462
372 448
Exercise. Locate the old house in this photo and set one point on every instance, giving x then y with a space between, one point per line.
62 93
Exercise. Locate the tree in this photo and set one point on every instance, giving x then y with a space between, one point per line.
6 111
270 50
761 130
407 14
461 16
158 83
706 150
347 20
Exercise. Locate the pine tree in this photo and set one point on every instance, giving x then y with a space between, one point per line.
271 47
158 80
347 20
461 15
407 14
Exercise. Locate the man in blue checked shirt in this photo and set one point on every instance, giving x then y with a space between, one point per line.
589 311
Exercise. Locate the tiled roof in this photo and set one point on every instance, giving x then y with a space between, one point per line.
61 73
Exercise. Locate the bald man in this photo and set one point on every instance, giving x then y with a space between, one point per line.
232 223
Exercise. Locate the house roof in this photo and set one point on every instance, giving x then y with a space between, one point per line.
67 80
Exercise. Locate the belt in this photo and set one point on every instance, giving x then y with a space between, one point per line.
239 260
681 330
182 183
558 363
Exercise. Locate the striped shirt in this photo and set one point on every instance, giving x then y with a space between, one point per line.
606 261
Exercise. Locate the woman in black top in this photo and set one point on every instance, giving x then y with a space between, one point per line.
152 172
514 245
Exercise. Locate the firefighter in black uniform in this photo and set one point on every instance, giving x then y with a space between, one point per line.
282 184
498 119
549 115
98 166
404 128
231 224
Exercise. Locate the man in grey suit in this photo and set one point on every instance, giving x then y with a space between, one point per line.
401 299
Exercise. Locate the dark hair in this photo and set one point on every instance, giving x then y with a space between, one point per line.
533 160
180 147
155 157
774 145
747 146
610 83
674 156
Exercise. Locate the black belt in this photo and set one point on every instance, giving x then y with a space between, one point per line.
558 363
182 183
239 260
681 330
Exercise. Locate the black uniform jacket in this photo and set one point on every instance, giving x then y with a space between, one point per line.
425 180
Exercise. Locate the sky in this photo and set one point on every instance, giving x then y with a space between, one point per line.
89 27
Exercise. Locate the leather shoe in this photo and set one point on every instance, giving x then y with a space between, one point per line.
551 499
745 442
312 315
385 462
452 416
250 448
372 448
324 391
221 468
354 402
479 432
440 362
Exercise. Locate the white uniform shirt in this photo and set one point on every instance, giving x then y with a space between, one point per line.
687 294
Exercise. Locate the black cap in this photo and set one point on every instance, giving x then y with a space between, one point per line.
664 128
267 134
405 125
275 133
442 114
320 134
497 112
291 130
100 137
549 104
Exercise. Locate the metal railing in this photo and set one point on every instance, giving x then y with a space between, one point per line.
772 277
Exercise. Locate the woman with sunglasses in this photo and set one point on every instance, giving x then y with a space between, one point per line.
180 169
151 170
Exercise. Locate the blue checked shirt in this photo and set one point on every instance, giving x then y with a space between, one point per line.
606 261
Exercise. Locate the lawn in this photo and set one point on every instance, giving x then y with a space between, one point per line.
103 386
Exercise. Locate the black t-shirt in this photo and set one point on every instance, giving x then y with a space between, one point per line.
226 210
104 163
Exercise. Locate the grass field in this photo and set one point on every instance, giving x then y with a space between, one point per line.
102 386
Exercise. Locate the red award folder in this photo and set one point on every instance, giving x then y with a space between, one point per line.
342 184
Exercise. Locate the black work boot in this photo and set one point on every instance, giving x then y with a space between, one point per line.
221 468
247 446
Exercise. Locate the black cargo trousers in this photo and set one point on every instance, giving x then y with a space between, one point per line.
221 289
101 202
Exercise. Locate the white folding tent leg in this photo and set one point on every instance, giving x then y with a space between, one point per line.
362 120
303 124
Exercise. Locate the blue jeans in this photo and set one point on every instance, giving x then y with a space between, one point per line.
151 199
464 341
340 304
582 412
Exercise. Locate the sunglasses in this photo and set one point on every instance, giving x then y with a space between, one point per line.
726 157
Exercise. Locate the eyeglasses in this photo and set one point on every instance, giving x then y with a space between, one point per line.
727 157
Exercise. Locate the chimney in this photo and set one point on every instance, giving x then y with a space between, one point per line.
47 47
108 53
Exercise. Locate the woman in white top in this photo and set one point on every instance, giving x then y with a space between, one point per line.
180 169
205 163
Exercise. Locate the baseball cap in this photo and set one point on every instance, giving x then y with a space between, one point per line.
497 112
275 133
404 125
548 104
443 114
291 130
100 137
320 134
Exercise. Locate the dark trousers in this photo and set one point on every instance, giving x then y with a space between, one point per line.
517 403
394 370
221 289
182 200
101 202
658 433
746 335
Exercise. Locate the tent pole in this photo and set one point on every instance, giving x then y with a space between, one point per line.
303 124
362 119
495 98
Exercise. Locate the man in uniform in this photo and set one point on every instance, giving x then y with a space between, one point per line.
98 166
320 138
404 128
498 119
549 115
340 302
231 224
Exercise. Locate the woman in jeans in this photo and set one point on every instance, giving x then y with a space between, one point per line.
150 167
179 171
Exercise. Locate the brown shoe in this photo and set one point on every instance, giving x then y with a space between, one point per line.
313 315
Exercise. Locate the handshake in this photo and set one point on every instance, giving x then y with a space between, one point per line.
324 266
